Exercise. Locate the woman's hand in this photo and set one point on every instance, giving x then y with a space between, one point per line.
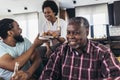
55 33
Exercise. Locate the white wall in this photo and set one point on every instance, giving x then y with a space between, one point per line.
41 21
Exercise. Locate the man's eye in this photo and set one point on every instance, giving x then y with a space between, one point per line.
68 32
76 32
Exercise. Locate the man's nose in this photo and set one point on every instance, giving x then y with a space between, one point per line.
71 35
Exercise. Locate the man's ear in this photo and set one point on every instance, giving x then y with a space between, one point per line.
10 33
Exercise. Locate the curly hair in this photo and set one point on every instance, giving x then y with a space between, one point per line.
5 26
52 5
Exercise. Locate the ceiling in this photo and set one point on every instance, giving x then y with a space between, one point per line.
18 6
24 6
74 3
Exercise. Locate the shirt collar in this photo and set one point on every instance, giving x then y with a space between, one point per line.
85 49
88 47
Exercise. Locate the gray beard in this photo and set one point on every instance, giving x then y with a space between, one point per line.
77 46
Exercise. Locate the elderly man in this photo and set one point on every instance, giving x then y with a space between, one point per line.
81 58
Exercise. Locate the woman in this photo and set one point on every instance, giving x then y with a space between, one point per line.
53 25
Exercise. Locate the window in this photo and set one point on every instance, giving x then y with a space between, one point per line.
29 24
97 16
